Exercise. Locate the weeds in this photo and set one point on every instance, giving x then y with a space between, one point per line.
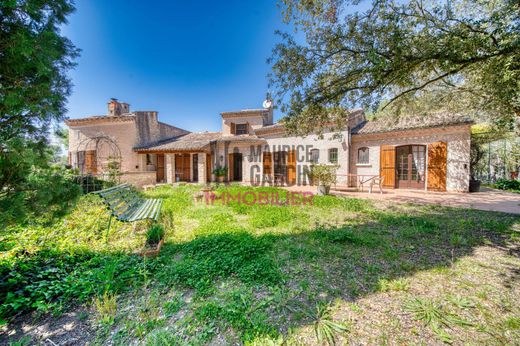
326 329
106 308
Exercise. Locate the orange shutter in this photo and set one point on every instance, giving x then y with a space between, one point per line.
437 158
90 162
387 165
267 162
230 167
291 167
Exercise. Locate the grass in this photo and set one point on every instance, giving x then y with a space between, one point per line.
336 271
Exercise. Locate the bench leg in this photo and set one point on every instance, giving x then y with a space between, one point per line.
108 229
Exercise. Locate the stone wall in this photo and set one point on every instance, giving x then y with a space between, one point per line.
139 179
458 157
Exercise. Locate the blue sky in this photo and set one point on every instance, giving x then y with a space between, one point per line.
189 60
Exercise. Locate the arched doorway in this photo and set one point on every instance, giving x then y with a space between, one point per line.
411 166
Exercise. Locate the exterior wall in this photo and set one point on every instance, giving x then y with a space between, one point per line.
256 120
123 133
252 167
458 158
139 178
201 167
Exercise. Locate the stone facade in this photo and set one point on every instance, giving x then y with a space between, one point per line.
457 138
142 140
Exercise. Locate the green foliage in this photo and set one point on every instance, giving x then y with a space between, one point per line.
323 174
106 308
30 187
154 235
505 184
325 328
220 256
34 63
412 56
220 171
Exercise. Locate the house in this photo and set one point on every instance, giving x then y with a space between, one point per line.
425 153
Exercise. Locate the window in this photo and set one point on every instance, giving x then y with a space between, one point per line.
315 155
241 129
333 155
363 155
148 159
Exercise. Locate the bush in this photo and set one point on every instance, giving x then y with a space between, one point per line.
505 184
323 174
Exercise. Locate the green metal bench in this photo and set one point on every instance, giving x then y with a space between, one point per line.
125 203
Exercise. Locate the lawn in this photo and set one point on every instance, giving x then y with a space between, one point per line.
340 270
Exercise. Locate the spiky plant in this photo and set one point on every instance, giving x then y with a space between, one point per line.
325 328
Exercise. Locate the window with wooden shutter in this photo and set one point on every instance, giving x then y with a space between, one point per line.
291 167
267 162
232 127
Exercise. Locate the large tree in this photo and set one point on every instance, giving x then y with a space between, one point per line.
459 54
34 60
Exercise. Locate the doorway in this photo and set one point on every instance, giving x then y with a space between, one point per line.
182 167
235 169
195 167
411 166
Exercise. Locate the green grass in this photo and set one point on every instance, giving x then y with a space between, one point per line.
268 275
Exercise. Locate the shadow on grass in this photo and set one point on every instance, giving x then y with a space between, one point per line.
265 285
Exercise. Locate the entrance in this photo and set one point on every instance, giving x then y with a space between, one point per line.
182 167
235 171
411 166
195 167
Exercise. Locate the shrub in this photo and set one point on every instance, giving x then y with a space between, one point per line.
323 174
506 184
154 235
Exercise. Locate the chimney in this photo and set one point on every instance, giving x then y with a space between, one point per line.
116 108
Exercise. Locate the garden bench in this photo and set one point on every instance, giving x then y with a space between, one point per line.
125 203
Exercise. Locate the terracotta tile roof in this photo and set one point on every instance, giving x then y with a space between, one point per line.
388 124
196 141
190 141
100 119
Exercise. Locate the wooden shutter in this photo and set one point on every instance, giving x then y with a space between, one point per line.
233 128
437 158
291 167
267 162
159 174
387 165
230 167
90 162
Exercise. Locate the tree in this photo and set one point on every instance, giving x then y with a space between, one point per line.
463 52
34 60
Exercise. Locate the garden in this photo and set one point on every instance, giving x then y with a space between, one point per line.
333 271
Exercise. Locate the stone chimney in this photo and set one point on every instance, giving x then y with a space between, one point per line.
116 108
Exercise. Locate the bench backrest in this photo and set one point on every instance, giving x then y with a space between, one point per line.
121 199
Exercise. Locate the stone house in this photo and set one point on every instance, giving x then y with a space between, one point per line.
426 153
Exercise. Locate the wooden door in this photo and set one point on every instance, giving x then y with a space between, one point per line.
230 167
90 162
182 167
410 166
291 167
437 164
159 172
387 165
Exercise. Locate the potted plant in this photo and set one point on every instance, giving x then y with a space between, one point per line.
154 241
323 176
220 173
